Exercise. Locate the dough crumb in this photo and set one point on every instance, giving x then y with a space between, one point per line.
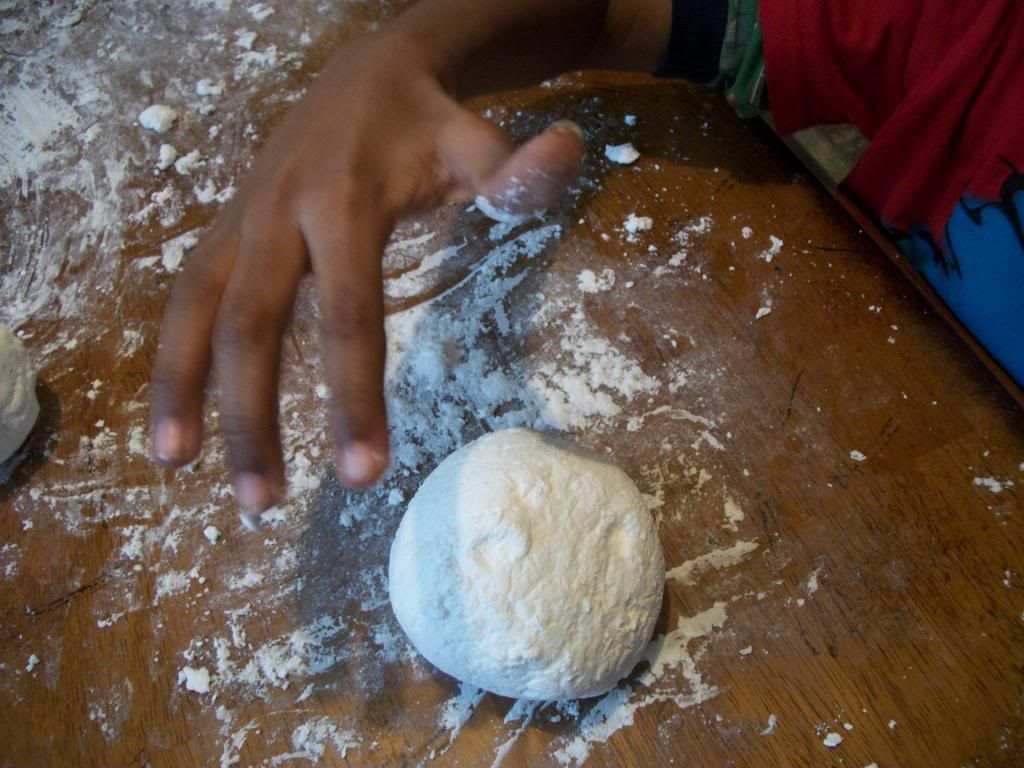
624 154
212 533
168 154
634 223
207 87
188 163
158 118
832 741
197 680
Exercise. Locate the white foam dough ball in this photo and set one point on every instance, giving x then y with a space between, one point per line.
18 405
528 567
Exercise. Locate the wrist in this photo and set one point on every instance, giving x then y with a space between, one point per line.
475 47
636 35
432 44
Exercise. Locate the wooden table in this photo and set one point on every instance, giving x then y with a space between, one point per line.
872 588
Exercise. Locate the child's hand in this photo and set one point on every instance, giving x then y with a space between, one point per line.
376 137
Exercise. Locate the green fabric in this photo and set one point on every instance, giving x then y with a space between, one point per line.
741 66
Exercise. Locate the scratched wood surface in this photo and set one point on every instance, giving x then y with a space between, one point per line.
884 593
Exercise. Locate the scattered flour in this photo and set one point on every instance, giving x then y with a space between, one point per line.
687 572
172 252
261 11
773 250
634 223
458 709
616 710
311 739
207 87
590 282
733 515
522 711
992 484
811 584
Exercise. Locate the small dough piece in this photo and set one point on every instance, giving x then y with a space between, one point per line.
18 405
158 117
529 567
624 154
168 154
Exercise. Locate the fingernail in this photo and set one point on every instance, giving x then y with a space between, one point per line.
253 492
169 441
359 464
566 126
250 520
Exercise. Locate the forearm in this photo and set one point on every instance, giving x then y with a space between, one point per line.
477 47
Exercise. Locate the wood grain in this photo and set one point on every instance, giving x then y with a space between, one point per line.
883 593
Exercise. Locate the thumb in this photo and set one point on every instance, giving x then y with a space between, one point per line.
507 185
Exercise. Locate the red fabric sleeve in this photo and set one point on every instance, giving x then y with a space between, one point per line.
937 85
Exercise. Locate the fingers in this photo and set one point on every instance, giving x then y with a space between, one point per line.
472 149
512 186
250 326
346 246
183 356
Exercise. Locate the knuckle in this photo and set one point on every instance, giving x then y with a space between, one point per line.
349 316
239 431
263 217
242 324
347 193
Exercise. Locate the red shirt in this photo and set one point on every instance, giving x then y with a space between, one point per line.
937 85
